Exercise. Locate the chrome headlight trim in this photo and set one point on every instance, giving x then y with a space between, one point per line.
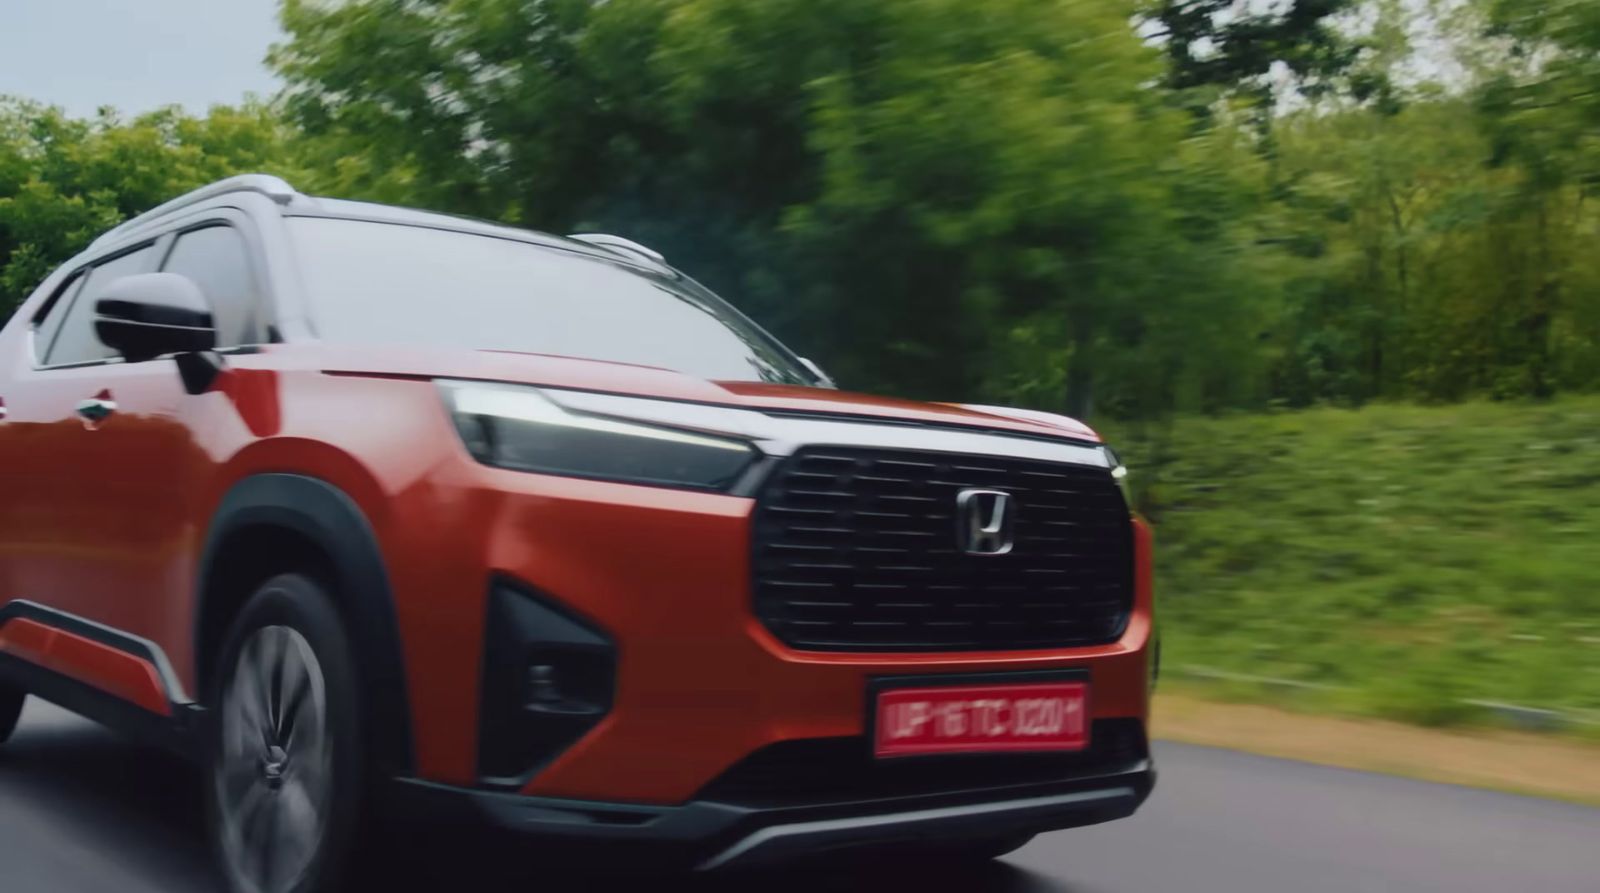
778 434
521 428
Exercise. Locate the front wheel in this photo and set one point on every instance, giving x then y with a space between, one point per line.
284 783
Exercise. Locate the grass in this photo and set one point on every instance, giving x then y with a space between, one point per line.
1411 558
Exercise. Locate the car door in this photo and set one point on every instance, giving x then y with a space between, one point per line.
115 452
25 513
87 436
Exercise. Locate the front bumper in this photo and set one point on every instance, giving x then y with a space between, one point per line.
708 835
700 683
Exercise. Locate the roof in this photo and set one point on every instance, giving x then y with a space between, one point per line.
297 204
379 213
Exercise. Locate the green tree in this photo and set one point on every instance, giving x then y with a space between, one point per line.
938 203
1005 207
63 180
1541 108
1226 44
1547 92
1433 269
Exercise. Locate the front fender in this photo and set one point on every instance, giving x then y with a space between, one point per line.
325 515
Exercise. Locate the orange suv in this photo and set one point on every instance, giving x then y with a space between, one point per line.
369 509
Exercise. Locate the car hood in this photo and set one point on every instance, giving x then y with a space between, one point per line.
647 381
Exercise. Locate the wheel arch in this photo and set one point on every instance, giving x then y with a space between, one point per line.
270 522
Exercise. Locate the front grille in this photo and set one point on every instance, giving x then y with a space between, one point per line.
855 550
843 770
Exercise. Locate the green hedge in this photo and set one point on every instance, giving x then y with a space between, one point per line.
1412 557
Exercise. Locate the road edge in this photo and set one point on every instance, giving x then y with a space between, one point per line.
1510 762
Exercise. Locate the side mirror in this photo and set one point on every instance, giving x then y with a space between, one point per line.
824 379
150 314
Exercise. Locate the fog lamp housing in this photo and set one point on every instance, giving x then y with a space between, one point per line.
548 678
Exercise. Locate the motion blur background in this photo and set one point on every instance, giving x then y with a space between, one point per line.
1327 271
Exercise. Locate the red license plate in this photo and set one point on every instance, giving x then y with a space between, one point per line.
982 718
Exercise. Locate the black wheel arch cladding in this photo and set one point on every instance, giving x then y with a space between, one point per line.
326 516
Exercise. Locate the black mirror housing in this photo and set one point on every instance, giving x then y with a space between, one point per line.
150 314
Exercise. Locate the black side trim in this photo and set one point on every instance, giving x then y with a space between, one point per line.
143 649
175 733
329 517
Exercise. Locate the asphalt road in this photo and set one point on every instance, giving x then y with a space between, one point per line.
84 810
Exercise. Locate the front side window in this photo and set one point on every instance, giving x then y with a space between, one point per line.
215 259
397 284
76 342
48 321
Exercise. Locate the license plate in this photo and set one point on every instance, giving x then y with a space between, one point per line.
1046 716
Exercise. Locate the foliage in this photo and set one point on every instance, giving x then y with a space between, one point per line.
64 181
1006 205
1228 44
1548 95
1435 273
892 185
1414 555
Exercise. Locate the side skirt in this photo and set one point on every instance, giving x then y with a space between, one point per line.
111 677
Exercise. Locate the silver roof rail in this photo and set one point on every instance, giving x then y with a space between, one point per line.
619 245
262 184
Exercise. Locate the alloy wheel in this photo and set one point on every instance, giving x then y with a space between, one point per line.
274 771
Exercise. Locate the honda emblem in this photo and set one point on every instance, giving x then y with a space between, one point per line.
983 522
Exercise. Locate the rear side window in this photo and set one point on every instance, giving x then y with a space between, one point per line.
77 342
216 260
48 321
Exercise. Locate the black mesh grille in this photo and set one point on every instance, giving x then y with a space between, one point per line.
840 770
855 550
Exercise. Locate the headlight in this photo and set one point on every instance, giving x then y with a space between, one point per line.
521 428
1119 472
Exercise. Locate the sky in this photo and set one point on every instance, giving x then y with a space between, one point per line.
136 55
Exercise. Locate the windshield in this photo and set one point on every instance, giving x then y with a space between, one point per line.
396 284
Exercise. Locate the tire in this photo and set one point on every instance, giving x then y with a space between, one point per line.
285 774
10 709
